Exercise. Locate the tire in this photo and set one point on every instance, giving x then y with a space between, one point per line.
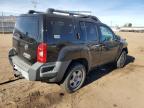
74 78
121 60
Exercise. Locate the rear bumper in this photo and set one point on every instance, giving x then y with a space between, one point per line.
50 72
29 72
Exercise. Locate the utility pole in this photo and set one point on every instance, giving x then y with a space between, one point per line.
111 23
34 2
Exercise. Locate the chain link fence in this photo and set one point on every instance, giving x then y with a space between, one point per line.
7 23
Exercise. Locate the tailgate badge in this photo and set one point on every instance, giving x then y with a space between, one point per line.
26 47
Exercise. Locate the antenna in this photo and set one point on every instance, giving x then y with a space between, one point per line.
34 2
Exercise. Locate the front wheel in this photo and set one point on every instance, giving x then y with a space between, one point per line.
75 77
122 60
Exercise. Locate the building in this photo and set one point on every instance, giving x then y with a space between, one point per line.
7 24
132 29
128 29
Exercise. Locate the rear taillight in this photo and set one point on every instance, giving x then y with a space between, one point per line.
42 53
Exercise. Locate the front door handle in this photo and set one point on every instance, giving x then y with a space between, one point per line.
99 45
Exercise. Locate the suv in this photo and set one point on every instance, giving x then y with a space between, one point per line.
58 48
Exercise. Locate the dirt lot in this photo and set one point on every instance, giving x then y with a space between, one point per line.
105 87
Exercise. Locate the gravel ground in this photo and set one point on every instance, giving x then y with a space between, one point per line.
105 87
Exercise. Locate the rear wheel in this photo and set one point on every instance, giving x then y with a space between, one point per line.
122 59
75 77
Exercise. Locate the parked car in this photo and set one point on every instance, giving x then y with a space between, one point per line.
51 47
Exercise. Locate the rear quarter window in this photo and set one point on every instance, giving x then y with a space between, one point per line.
60 30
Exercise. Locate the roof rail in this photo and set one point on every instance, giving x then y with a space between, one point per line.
33 11
51 11
92 17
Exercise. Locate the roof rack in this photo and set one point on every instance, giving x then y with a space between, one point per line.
73 13
51 10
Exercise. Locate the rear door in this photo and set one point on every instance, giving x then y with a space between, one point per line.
89 30
26 37
108 44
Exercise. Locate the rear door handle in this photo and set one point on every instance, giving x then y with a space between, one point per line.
98 45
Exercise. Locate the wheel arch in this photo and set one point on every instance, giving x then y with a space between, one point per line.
125 49
82 61
122 49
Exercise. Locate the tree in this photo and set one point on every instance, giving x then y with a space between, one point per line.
128 25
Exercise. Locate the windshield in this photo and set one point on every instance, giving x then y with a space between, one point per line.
27 26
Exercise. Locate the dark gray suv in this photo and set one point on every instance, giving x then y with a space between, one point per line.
58 48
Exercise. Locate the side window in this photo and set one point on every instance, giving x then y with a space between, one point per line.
106 34
60 29
91 32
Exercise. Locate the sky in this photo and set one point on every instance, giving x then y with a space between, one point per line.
111 12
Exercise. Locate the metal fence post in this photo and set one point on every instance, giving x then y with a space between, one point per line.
2 24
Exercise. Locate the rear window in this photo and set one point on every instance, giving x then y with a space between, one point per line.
28 27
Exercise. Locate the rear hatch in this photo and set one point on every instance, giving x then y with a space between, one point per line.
27 36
